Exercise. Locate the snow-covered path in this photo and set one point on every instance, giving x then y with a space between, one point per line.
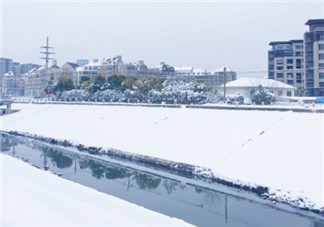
32 197
281 150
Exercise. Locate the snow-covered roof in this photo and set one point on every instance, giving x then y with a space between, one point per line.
93 64
255 82
9 74
199 70
183 68
221 69
80 69
53 67
41 68
73 65
112 60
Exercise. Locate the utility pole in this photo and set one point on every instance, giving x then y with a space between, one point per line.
224 83
46 52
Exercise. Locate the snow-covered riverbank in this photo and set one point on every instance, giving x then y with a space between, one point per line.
281 150
32 197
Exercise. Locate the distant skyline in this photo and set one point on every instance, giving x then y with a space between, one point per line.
205 34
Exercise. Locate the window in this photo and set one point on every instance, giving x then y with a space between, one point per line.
321 65
321 46
289 67
321 75
321 84
298 53
279 67
290 75
290 82
320 37
309 76
321 56
309 57
309 84
298 47
279 61
279 75
290 61
288 93
298 78
298 63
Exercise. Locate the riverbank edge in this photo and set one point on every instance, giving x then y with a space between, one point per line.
178 168
298 109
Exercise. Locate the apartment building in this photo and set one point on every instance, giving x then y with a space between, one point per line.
300 62
285 62
215 78
38 79
5 66
314 58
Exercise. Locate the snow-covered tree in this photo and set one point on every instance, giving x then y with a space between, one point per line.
237 99
261 96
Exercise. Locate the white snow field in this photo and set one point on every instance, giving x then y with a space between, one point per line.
32 197
281 150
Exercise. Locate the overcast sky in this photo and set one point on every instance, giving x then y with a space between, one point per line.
204 34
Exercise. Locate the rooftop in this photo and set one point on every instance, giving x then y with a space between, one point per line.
315 21
286 42
255 82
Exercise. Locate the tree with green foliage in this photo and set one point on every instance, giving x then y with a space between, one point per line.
115 81
201 85
261 96
84 79
130 83
148 83
98 84
49 89
64 84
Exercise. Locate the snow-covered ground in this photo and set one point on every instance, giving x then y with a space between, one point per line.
32 197
281 150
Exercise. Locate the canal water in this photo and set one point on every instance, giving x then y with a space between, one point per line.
169 195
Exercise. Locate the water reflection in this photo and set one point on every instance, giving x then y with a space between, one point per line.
192 203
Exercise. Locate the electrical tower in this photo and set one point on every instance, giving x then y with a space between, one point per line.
46 52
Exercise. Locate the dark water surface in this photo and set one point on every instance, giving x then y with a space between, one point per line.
169 195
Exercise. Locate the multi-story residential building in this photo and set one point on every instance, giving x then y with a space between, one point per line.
314 58
69 70
105 67
162 71
218 76
16 68
215 79
141 68
130 69
5 66
38 79
12 85
300 63
286 60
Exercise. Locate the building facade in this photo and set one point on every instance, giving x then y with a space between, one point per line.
37 80
5 66
314 58
300 63
215 78
286 62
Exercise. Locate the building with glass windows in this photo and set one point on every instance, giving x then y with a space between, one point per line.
314 58
300 63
